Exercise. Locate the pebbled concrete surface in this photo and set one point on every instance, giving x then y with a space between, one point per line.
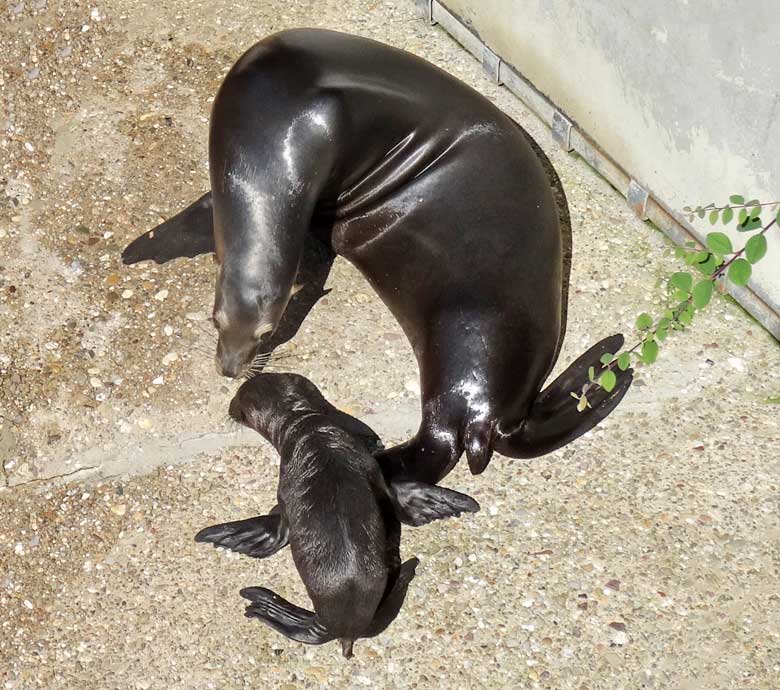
644 555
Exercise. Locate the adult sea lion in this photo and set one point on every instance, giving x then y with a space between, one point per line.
337 512
440 200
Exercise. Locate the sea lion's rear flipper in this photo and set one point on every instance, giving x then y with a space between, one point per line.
390 606
258 537
554 420
189 233
292 621
417 503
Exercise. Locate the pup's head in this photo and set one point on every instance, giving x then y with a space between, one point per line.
268 398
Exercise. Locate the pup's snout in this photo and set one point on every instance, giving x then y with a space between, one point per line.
234 410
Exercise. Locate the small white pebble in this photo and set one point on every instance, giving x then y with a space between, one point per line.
159 381
127 294
458 562
168 331
95 382
412 387
27 604
161 295
528 603
493 510
170 358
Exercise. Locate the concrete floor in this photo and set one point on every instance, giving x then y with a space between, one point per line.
645 555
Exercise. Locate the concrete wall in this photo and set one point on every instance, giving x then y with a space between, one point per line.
684 97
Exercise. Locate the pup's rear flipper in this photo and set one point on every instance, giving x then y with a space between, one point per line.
391 605
189 233
258 537
554 419
288 619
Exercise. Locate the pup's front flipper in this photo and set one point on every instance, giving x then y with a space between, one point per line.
417 503
258 537
292 621
394 600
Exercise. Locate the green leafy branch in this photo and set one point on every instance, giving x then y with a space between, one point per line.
689 296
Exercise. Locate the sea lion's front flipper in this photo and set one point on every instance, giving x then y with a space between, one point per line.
258 537
391 605
189 233
417 503
554 420
292 621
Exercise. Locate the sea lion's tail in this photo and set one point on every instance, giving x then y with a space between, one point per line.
554 419
189 233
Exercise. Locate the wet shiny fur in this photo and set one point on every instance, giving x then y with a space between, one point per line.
340 517
442 202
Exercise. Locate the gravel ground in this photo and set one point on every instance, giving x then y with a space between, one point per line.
645 555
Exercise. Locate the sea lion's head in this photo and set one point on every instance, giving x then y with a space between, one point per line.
246 314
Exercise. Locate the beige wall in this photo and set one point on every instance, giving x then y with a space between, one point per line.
684 97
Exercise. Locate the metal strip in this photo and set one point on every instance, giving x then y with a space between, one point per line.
571 138
637 197
561 130
491 63
425 8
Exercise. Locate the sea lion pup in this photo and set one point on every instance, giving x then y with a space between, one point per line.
440 200
339 515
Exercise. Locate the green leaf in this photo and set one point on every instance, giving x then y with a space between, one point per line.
739 272
737 199
624 361
714 217
702 293
650 351
591 373
608 380
728 215
707 266
661 334
606 358
773 400
750 225
644 321
755 212
681 280
742 217
685 318
719 243
681 295
755 249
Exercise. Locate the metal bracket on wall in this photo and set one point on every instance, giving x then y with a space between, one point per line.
491 63
425 8
637 197
561 130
